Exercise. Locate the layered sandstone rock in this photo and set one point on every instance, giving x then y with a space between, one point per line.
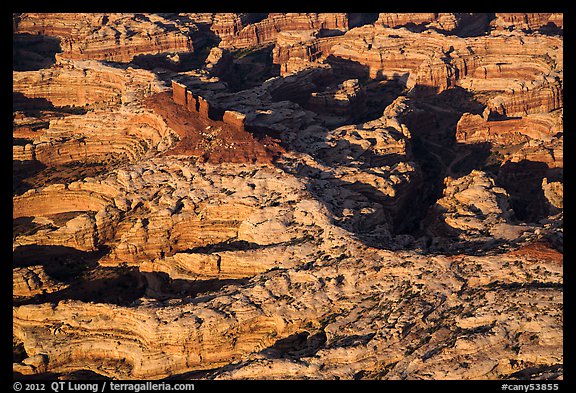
225 25
554 194
218 62
475 129
110 37
530 21
228 25
202 220
96 136
228 264
460 348
550 153
56 198
462 24
272 230
79 217
266 31
79 232
80 116
473 206
298 50
346 100
174 219
33 280
302 303
433 60
85 83
403 19
539 98
367 51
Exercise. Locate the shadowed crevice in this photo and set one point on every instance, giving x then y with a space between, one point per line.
161 286
33 52
120 286
60 262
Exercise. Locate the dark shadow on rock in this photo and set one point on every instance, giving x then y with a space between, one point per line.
250 68
87 281
20 141
175 62
242 245
546 372
60 262
296 345
330 32
113 285
551 29
32 106
193 375
353 340
415 28
523 181
361 19
35 377
471 24
18 351
26 226
350 68
510 286
21 170
472 156
31 52
458 99
379 94
453 245
433 130
22 103
162 287
85 375
232 245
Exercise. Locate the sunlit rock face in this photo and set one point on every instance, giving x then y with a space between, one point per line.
110 37
288 195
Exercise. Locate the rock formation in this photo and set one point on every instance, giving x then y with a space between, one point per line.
531 21
33 280
379 52
265 31
83 84
346 100
474 129
226 328
110 37
463 24
472 206
288 196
